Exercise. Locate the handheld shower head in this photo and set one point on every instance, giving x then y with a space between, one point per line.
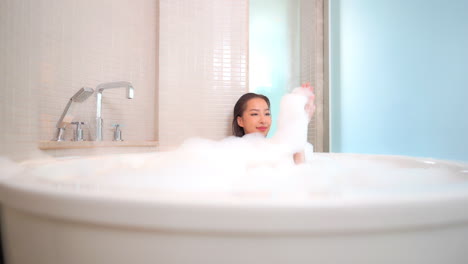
82 94
79 97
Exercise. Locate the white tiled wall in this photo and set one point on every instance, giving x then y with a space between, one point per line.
50 49
203 67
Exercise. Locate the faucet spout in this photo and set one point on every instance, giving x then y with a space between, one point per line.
99 89
110 85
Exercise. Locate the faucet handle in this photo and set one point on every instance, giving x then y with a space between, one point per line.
59 135
78 134
117 132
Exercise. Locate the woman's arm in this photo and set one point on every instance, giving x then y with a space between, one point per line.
299 157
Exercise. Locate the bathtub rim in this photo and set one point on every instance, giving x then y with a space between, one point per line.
429 212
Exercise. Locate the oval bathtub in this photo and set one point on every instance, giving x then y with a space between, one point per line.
367 210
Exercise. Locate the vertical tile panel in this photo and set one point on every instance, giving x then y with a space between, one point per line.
308 36
312 60
18 99
202 62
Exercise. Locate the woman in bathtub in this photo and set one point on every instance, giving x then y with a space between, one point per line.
252 115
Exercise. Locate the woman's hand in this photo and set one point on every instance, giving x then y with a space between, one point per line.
299 157
310 105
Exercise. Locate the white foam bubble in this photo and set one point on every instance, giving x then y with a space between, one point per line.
219 169
252 164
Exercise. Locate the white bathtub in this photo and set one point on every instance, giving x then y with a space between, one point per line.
47 222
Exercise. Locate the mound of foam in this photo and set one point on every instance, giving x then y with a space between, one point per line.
252 164
244 165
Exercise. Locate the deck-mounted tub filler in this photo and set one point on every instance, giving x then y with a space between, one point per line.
140 208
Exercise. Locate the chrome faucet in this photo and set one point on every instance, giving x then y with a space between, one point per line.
99 89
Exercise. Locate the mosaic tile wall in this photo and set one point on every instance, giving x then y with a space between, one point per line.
50 49
203 67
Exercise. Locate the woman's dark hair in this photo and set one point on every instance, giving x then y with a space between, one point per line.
239 109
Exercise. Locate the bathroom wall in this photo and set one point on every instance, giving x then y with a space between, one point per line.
49 49
203 60
399 82
18 101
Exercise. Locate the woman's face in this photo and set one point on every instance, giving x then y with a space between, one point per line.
256 117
